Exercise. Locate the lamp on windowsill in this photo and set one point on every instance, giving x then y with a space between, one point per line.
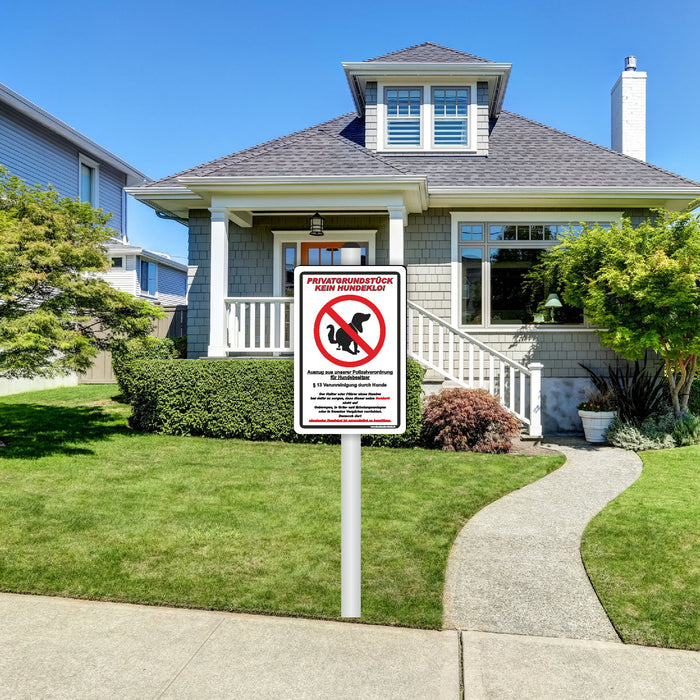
552 303
316 225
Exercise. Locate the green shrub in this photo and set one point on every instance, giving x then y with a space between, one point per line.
686 431
124 352
468 420
248 399
655 433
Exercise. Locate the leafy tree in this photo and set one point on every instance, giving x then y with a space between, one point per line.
54 314
641 286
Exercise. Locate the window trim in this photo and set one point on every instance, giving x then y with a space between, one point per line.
95 166
507 217
421 118
142 291
469 146
426 117
280 238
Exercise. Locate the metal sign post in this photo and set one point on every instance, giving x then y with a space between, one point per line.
350 377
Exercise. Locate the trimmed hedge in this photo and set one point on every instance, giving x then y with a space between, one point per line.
248 399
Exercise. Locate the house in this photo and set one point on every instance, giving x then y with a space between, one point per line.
41 149
153 276
430 172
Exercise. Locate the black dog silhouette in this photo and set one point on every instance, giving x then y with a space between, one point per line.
342 339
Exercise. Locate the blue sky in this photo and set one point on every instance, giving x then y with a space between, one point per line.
170 85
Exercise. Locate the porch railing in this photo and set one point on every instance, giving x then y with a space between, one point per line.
265 325
260 324
466 361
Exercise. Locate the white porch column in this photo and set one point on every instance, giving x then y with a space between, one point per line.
397 216
536 399
218 283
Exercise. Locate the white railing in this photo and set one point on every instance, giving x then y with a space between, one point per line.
265 325
260 324
466 361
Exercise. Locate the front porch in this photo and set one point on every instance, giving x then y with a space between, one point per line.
264 326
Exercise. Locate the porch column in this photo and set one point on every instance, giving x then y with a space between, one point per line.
218 283
396 222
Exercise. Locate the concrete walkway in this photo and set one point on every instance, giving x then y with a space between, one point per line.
516 566
58 648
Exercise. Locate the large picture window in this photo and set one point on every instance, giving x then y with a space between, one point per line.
493 259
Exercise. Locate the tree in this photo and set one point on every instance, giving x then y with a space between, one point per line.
55 314
641 286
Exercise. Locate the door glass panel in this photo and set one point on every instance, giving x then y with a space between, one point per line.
471 285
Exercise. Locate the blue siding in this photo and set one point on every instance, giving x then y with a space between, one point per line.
41 157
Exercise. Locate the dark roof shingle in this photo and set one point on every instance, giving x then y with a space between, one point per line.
522 153
427 53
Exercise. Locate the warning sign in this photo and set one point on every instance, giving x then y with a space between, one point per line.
350 349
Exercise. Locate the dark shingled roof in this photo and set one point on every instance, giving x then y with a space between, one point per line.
522 153
427 53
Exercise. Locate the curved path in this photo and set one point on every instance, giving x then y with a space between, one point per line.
516 566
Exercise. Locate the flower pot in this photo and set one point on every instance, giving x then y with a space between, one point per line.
596 424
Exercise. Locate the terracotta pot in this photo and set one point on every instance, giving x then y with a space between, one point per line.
596 424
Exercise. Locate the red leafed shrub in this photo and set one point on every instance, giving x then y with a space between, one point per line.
468 420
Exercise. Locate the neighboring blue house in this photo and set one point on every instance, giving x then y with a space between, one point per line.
43 150
427 171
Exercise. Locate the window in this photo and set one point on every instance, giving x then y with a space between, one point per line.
450 108
491 260
88 179
117 262
148 278
403 112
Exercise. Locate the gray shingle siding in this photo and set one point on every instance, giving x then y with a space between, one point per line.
198 302
41 157
371 116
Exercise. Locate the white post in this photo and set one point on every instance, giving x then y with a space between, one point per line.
350 525
396 221
350 498
536 399
218 283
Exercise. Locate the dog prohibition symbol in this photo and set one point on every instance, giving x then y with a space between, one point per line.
342 339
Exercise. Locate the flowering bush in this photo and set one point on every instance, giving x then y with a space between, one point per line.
598 403
468 420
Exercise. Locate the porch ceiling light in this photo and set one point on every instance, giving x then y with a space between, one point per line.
553 301
316 225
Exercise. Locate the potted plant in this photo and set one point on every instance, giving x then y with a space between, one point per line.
596 415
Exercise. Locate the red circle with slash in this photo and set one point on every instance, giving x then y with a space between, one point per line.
328 309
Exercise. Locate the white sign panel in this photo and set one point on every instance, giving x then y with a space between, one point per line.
350 354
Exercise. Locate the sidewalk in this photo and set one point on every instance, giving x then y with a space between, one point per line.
59 648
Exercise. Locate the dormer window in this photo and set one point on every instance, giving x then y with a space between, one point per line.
451 106
403 107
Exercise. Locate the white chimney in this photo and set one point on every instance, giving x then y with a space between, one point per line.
629 112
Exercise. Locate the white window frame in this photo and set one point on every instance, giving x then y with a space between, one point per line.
421 118
84 160
282 238
427 118
452 147
508 217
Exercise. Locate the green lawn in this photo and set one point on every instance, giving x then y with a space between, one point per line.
643 553
90 509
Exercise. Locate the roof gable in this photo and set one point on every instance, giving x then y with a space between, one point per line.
427 53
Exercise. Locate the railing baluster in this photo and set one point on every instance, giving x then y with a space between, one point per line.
420 337
430 341
263 326
522 394
451 353
471 366
410 330
511 402
492 376
251 326
481 368
441 349
461 360
502 382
